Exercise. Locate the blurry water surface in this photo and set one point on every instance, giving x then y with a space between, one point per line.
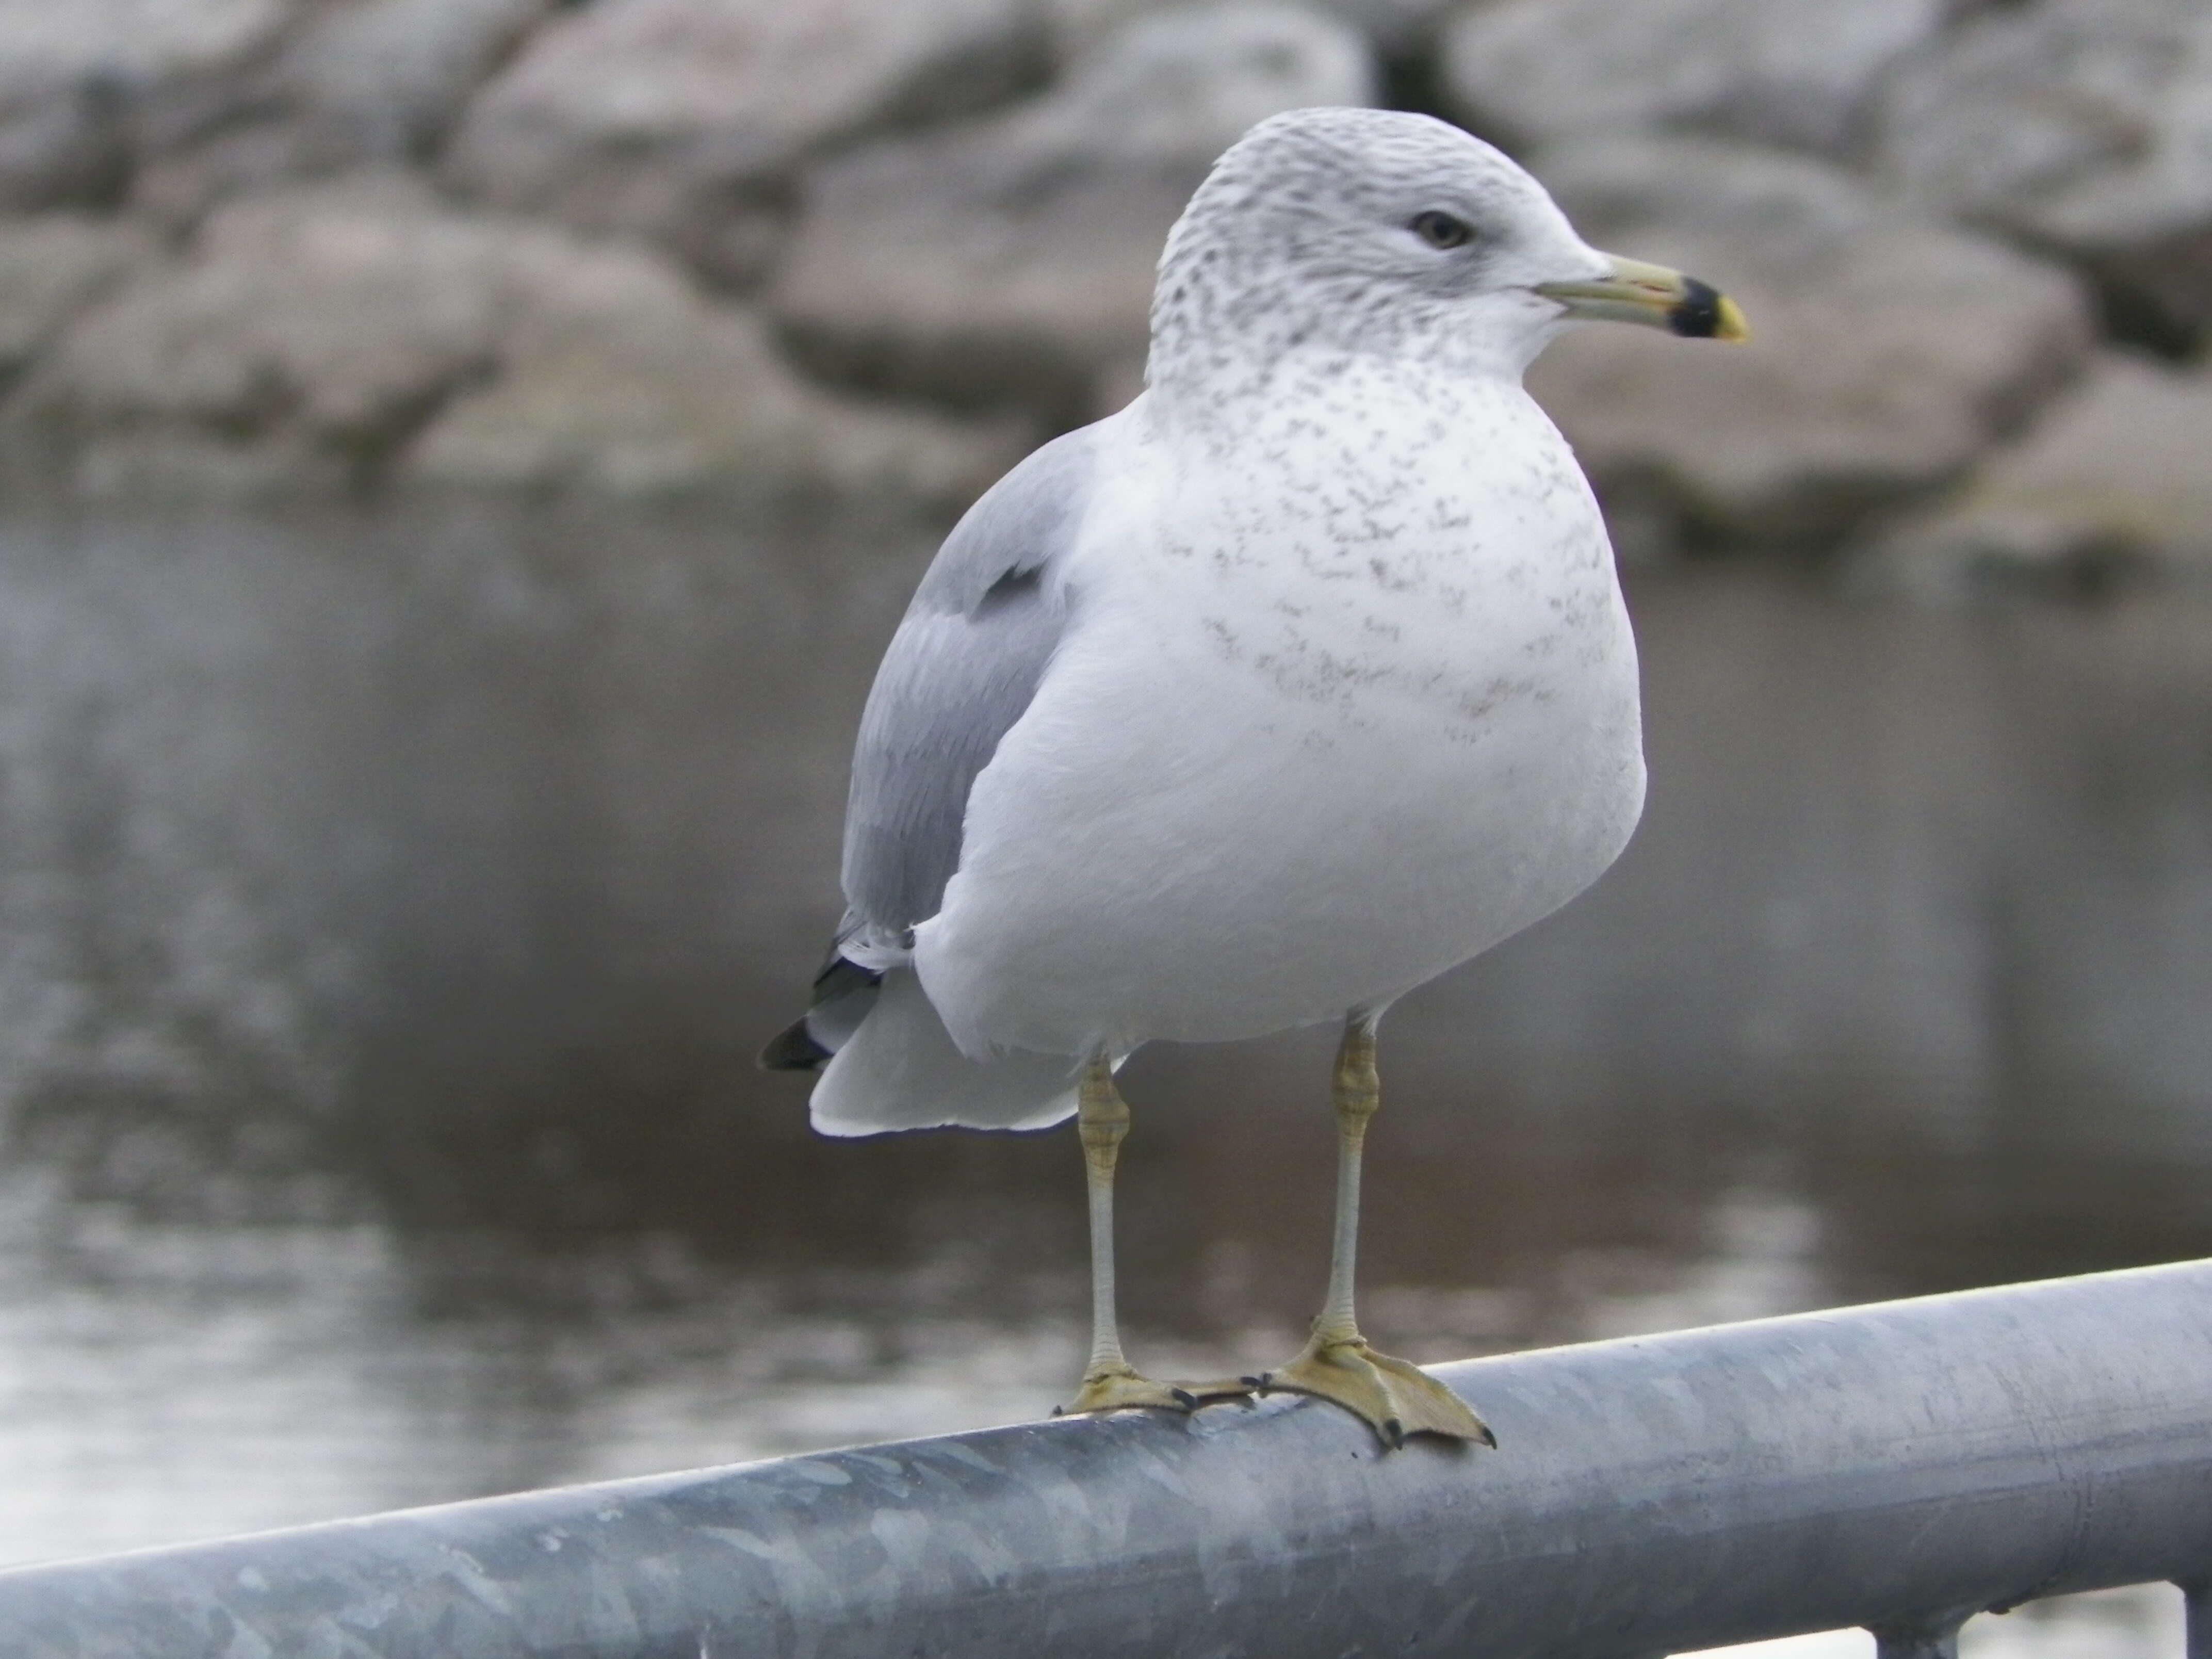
390 905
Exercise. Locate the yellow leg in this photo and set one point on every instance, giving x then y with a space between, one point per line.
1110 1383
1394 1398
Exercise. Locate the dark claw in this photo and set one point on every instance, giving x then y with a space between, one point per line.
1488 1438
1058 1411
1394 1432
1185 1399
1260 1381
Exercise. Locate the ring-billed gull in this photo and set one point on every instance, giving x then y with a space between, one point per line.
1300 680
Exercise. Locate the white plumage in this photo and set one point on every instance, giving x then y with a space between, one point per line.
1257 788
1300 680
1309 676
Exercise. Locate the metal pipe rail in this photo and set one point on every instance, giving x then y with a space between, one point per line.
1897 1466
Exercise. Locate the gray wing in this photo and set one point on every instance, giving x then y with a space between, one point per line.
960 672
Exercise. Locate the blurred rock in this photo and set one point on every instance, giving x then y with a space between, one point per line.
1797 72
2083 126
2113 477
1887 354
52 267
366 81
1394 27
393 74
682 120
76 76
619 379
314 332
1011 261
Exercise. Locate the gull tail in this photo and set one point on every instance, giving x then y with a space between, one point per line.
886 1062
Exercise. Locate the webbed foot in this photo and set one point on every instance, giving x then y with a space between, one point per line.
1113 1389
1392 1396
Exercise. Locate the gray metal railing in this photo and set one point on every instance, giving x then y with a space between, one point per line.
1899 1467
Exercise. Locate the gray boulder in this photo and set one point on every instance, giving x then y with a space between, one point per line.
2082 127
1011 261
684 120
313 331
1887 354
618 379
1797 72
79 78
1397 28
316 332
52 266
391 75
2113 477
368 82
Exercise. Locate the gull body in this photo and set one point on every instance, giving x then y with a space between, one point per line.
1336 705
1296 683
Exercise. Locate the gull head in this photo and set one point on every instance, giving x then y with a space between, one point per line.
1367 231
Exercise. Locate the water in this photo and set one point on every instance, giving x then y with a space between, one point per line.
390 907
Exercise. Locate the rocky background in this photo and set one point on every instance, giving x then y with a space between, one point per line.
258 248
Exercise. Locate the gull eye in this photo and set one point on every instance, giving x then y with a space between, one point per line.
1441 230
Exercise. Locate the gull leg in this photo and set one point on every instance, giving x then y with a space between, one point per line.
1394 1397
1102 1118
1110 1380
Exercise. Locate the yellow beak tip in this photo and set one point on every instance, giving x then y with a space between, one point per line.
1729 324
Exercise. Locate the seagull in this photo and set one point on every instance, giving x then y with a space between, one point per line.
1300 680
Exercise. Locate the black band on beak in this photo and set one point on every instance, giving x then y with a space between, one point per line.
1696 314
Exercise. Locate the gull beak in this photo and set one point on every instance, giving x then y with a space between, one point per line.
1653 295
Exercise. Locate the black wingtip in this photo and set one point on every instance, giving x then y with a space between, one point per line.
794 1050
841 977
